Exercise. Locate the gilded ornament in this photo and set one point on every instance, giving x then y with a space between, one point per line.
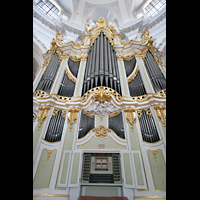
101 23
69 74
128 57
154 152
105 91
97 32
55 111
39 94
84 56
102 95
101 131
75 58
72 115
130 115
44 110
133 74
119 57
49 152
161 113
148 111
53 44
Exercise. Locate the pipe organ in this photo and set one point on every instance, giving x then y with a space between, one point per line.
99 118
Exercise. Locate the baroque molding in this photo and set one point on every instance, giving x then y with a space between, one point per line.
55 25
42 98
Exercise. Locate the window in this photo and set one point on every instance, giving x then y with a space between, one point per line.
154 7
48 8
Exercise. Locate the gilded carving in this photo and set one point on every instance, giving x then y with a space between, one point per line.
130 115
84 56
101 131
72 115
148 111
161 113
101 23
75 58
44 110
106 90
154 152
133 74
119 57
49 152
101 95
128 57
69 74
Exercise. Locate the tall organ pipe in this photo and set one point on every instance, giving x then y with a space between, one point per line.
93 65
101 64
106 60
96 72
101 67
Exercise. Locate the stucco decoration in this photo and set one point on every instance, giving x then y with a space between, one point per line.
97 108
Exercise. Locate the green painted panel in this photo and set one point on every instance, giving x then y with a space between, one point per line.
158 170
75 167
44 170
69 137
138 169
36 135
65 167
127 168
134 140
93 143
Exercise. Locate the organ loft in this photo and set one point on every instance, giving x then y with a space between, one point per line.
99 117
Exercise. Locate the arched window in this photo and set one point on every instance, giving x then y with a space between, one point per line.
154 7
48 8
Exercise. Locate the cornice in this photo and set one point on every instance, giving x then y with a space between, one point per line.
55 25
42 98
145 24
59 26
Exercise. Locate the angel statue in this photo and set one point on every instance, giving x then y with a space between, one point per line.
112 25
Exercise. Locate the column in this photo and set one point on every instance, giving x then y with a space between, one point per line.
144 75
122 74
80 77
37 79
59 76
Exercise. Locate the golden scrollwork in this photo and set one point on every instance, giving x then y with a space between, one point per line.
44 110
128 57
55 111
148 111
103 88
75 58
115 113
161 113
101 131
97 32
87 113
130 115
72 115
101 95
69 74
133 74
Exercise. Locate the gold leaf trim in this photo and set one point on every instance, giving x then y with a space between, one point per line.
133 74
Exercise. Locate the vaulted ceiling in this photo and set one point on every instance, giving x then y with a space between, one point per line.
121 10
